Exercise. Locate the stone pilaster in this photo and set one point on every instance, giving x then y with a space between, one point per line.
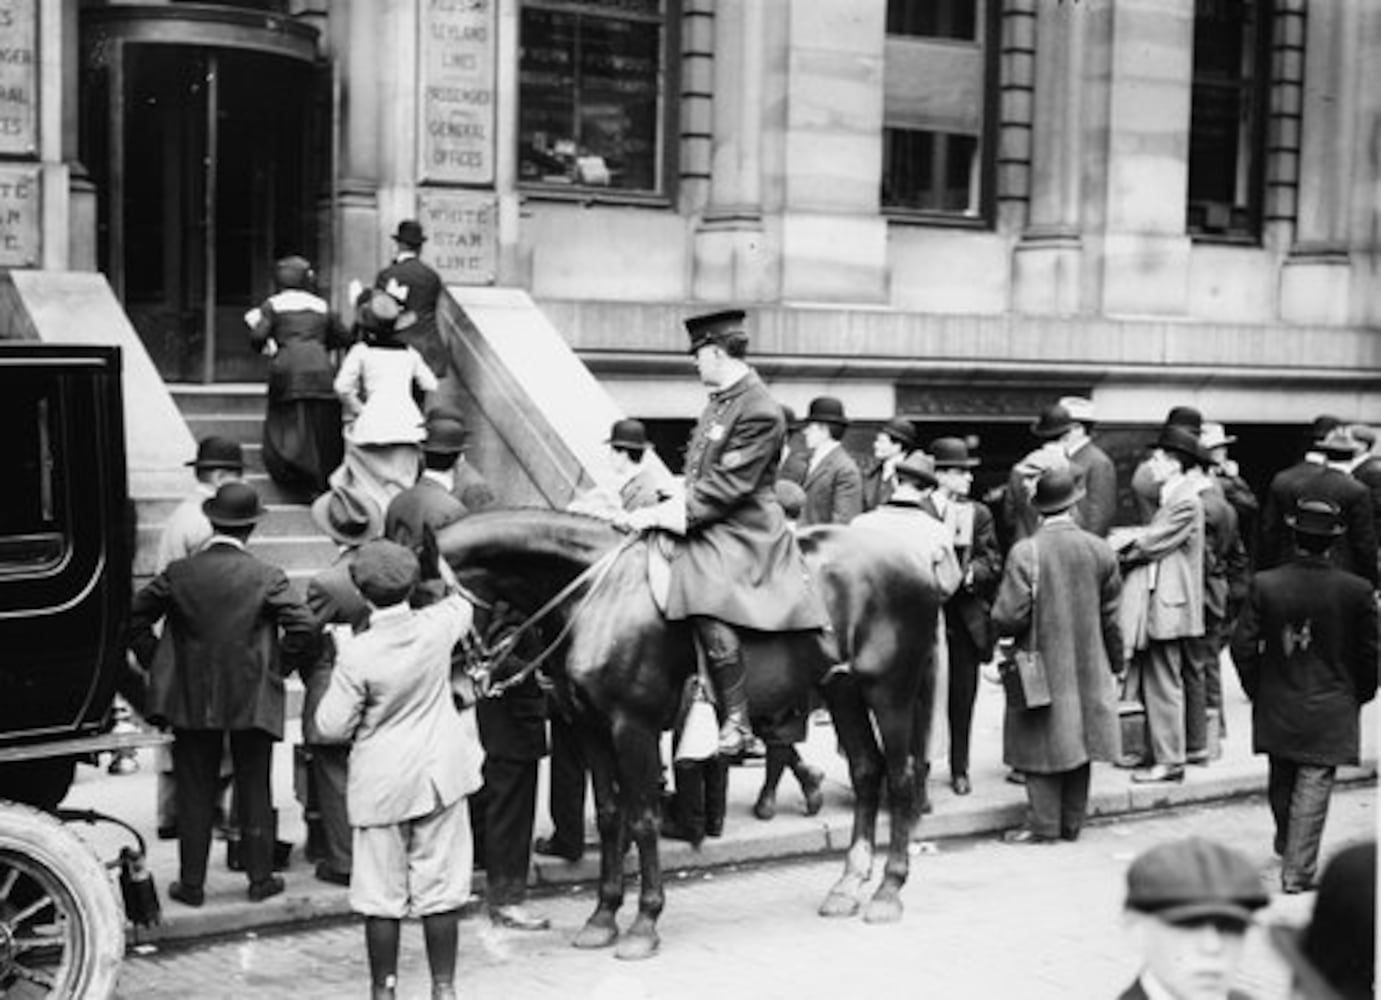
355 42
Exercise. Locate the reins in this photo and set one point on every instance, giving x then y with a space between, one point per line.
489 659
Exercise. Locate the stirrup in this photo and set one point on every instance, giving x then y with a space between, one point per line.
734 738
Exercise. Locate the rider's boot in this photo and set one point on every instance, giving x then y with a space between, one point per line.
724 657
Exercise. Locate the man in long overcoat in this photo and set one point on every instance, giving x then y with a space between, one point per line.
738 564
1306 650
218 668
1059 596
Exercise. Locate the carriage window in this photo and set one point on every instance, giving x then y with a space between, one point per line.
31 536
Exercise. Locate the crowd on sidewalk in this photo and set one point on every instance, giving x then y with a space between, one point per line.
1108 638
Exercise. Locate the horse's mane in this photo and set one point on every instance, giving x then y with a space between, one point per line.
527 532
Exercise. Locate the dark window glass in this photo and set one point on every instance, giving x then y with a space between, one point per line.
930 171
1227 118
591 91
933 18
30 534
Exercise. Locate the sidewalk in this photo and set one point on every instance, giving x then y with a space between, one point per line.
994 806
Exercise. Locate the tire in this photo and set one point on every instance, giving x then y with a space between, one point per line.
54 888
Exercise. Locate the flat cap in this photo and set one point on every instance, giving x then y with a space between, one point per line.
384 571
1195 878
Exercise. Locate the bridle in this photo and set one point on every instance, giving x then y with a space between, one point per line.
482 660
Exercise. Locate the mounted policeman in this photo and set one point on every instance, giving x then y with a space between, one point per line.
737 565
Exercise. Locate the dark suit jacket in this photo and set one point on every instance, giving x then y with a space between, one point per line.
834 490
1355 551
876 489
1306 649
1368 473
220 663
1095 470
420 287
981 561
426 504
333 599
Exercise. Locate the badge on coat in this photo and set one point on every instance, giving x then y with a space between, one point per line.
732 459
716 432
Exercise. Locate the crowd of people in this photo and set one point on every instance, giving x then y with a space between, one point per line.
1109 638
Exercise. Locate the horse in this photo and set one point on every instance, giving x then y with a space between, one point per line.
619 667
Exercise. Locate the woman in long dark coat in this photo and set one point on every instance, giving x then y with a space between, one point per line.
1061 588
302 426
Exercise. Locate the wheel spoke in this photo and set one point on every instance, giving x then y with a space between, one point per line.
39 904
8 884
42 937
36 976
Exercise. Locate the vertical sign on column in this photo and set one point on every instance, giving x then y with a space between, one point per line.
19 215
18 78
457 106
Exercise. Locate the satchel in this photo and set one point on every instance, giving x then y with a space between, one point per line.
700 732
1023 676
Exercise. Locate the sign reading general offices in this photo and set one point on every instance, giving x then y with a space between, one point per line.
19 182
457 106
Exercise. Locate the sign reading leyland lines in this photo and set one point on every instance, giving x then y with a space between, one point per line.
462 235
18 77
457 66
19 216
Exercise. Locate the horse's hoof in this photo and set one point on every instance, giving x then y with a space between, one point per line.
635 947
882 910
838 904
596 934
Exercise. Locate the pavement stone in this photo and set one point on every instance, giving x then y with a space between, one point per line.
994 805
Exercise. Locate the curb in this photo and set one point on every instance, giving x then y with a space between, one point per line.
308 902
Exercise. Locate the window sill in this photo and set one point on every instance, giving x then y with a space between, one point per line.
1248 241
591 197
936 220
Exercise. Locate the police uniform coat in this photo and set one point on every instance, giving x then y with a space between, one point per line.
417 286
739 561
834 490
1075 617
1305 647
1355 551
220 662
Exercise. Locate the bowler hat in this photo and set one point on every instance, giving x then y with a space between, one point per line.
1339 443
235 505
791 496
1183 441
445 433
1185 416
347 517
1322 424
1053 421
1215 435
1188 880
384 571
826 410
628 433
218 453
1056 490
902 431
715 328
1080 408
1316 516
952 453
409 233
1335 954
918 468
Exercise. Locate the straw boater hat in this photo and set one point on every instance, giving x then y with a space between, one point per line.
235 505
1215 435
1079 408
347 517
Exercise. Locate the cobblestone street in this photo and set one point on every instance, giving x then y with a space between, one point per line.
982 919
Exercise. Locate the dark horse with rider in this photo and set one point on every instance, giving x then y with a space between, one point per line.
847 611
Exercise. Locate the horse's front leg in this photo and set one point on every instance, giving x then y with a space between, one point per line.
638 755
602 929
852 725
894 724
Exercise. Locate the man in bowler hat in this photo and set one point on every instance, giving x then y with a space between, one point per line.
833 484
1305 647
893 442
218 669
738 564
418 287
1189 904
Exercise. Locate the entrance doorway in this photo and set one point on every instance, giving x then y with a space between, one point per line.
209 170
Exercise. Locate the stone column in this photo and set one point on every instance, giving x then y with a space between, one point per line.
731 260
1316 277
355 42
1140 55
1046 263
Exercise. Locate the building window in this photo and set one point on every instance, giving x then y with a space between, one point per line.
593 93
940 110
1227 123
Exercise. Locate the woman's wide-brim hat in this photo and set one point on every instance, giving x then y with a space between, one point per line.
235 505
1215 435
826 410
347 517
952 453
1052 422
1056 490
